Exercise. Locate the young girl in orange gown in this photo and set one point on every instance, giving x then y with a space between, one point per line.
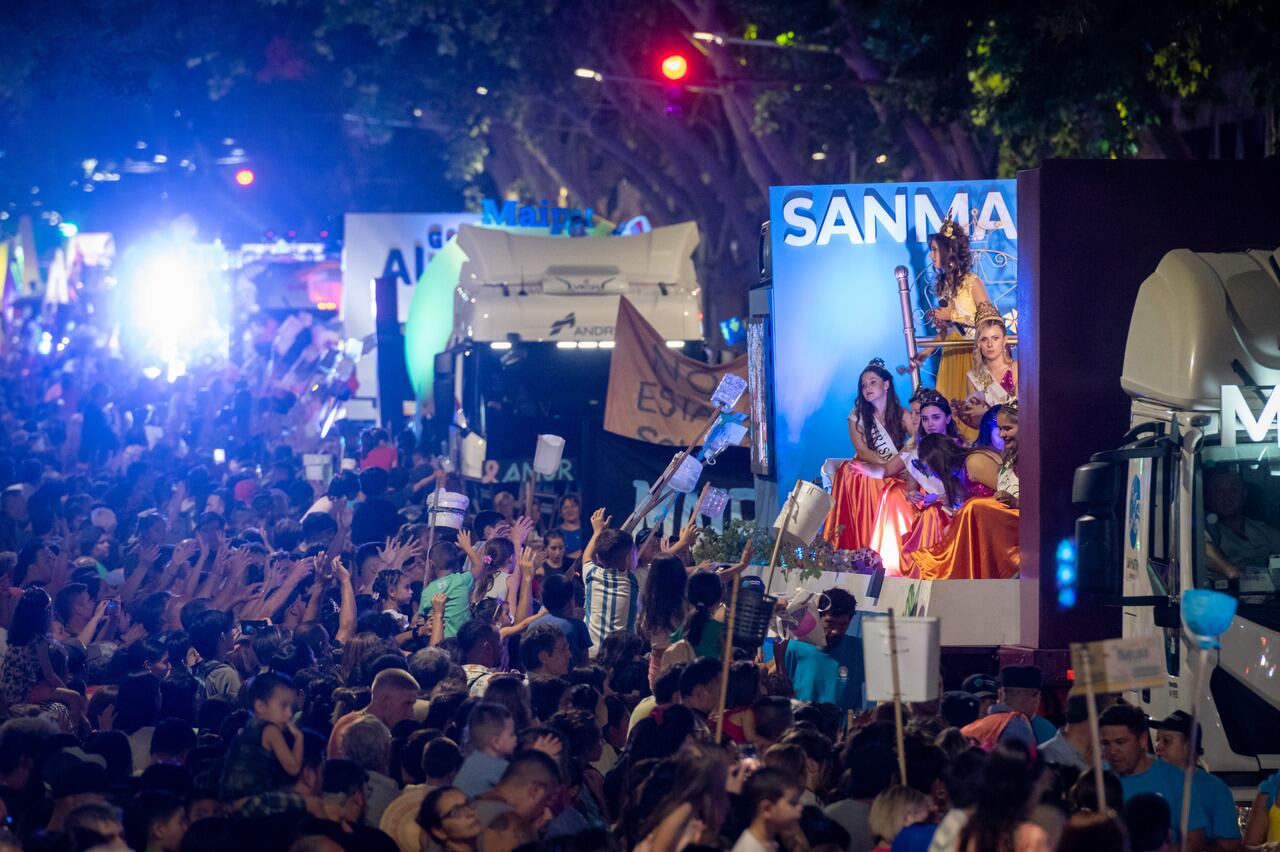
869 495
929 492
981 541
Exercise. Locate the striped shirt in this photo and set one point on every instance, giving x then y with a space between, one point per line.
612 601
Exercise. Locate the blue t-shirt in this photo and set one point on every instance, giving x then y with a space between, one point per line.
573 542
915 838
575 630
1212 796
1270 788
834 674
1044 729
1165 780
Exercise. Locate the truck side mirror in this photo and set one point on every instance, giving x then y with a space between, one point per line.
1095 489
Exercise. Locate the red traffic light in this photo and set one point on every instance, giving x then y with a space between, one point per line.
675 67
245 177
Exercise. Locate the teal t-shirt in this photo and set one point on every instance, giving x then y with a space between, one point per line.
1211 795
457 608
835 675
1165 780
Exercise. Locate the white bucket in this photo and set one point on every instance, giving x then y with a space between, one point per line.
318 466
802 514
722 437
546 458
728 391
473 452
452 508
714 503
686 477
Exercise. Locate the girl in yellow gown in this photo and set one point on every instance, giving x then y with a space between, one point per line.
959 292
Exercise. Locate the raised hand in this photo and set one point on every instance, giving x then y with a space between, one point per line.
148 555
550 745
520 534
529 558
438 601
184 551
464 541
599 520
339 570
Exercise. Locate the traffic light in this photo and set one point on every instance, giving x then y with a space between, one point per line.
675 67
245 177
674 70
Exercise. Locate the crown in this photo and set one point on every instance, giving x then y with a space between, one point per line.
876 362
948 226
1011 406
987 312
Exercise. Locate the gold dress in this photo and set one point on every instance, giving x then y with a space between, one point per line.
954 365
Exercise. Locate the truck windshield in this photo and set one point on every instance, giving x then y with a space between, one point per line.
1238 521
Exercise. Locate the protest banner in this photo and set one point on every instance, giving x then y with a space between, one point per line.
655 393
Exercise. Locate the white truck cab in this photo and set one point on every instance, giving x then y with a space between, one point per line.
1198 476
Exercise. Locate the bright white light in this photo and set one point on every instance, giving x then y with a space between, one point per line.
152 373
500 345
588 74
177 367
69 229
675 344
567 344
160 159
168 303
606 344
417 112
589 344
819 155
45 346
481 90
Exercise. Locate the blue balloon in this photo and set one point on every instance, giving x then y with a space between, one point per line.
1207 614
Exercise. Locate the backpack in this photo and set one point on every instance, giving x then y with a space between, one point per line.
201 671
985 733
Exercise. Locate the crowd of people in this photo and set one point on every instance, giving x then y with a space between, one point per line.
206 648
932 487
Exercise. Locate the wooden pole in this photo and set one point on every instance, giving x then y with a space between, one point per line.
1094 738
777 542
1197 688
661 481
727 653
431 530
897 698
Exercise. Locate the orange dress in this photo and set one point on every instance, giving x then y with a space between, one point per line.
869 512
981 543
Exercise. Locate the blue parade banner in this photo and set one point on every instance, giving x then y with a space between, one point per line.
836 302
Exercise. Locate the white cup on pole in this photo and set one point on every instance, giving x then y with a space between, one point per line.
802 514
546 457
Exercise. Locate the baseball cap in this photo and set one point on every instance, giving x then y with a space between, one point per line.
1178 720
960 708
1021 677
980 686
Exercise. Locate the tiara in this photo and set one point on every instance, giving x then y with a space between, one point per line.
876 362
948 226
987 312
1011 406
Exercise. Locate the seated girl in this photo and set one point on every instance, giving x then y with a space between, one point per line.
981 541
869 493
